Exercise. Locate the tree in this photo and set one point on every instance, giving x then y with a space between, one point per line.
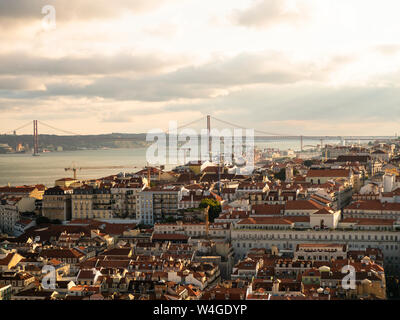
281 175
153 184
308 163
392 285
215 208
170 220
42 220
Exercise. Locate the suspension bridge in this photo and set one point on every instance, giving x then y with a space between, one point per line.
207 122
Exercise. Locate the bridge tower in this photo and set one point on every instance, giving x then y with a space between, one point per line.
35 138
301 143
209 136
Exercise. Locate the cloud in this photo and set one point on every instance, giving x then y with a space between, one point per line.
19 84
388 49
295 109
74 9
217 77
265 13
18 63
119 117
317 104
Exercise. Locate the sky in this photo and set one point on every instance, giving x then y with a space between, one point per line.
310 67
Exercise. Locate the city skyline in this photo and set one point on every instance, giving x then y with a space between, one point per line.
281 66
199 157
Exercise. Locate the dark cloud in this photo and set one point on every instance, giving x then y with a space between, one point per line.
18 63
204 81
74 9
17 83
285 109
302 103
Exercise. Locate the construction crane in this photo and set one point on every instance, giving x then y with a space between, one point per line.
148 168
74 168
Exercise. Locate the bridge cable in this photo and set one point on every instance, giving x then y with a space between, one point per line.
240 127
188 124
19 128
61 130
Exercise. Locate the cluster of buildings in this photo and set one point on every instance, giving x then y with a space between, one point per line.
290 230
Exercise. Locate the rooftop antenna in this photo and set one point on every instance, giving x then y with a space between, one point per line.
148 175
207 220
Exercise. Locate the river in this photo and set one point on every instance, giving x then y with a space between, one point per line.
24 169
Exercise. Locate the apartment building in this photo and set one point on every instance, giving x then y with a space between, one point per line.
282 233
316 273
144 208
5 292
56 203
92 203
24 191
18 280
245 189
156 204
66 182
125 198
381 155
22 225
9 214
69 256
320 251
333 152
372 209
192 197
321 176
188 229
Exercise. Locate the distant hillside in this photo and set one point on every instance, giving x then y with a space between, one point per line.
52 142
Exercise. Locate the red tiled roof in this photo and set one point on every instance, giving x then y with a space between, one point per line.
373 205
262 220
303 205
168 236
324 211
326 173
